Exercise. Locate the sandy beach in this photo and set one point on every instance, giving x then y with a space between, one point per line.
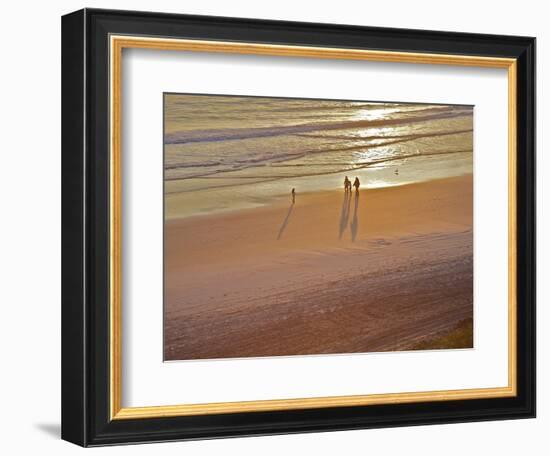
388 269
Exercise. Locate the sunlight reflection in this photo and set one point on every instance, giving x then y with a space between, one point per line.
375 114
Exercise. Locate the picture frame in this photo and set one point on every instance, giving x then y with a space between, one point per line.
92 367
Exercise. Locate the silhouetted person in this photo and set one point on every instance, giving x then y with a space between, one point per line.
293 196
347 184
356 184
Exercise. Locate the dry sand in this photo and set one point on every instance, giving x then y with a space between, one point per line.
385 270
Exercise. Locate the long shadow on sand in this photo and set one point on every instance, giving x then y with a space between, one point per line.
344 215
355 222
285 221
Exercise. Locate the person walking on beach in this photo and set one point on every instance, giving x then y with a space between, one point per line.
293 196
356 184
347 184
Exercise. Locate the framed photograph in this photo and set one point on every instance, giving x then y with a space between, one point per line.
278 227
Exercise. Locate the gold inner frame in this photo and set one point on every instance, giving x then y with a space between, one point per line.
117 44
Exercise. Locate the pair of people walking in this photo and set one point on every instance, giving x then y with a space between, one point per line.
347 187
347 184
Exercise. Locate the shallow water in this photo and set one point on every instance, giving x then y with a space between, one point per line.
225 152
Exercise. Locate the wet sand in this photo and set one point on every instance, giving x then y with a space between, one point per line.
389 269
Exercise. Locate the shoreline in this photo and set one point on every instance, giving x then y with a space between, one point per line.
328 274
278 199
185 198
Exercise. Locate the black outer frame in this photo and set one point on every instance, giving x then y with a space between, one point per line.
85 227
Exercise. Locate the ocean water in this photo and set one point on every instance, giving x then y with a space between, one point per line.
229 152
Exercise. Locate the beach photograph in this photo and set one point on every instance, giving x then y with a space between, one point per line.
313 227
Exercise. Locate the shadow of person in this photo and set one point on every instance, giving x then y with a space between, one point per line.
355 222
285 221
344 214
